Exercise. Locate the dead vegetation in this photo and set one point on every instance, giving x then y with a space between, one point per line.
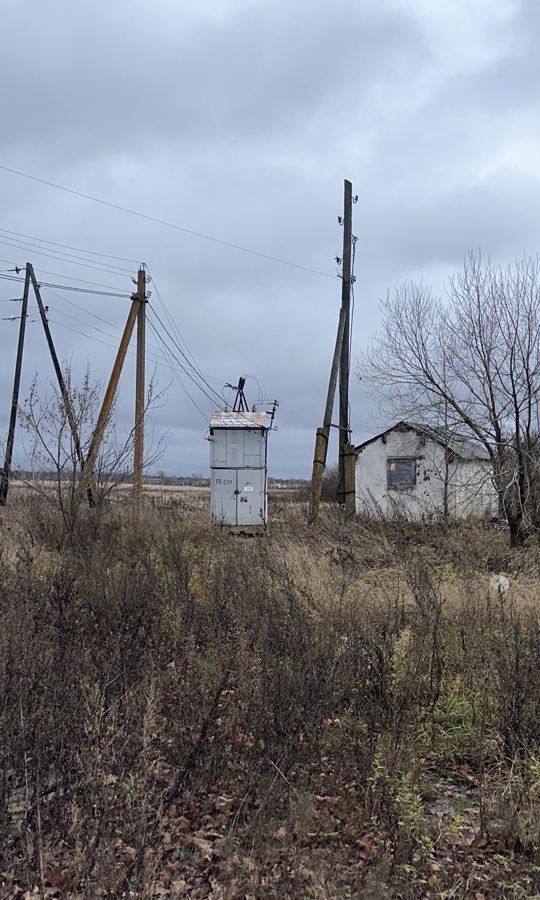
341 714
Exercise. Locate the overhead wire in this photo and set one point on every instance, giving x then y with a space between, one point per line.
70 259
20 278
353 279
82 322
187 363
261 388
186 353
186 369
148 218
202 383
189 367
170 360
190 374
81 309
177 375
216 398
68 287
70 247
157 361
156 351
170 319
180 337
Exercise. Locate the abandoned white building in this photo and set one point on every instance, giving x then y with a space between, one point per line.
419 470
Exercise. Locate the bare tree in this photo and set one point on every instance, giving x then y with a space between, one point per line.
50 444
473 357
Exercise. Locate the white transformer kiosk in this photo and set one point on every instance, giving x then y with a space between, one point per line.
238 465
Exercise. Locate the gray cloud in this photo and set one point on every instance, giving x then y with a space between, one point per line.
240 120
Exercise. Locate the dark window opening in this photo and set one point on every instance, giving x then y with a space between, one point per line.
401 474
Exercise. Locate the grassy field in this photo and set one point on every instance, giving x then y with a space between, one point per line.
340 713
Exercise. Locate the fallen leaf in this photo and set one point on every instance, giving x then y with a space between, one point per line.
367 848
55 877
224 804
205 847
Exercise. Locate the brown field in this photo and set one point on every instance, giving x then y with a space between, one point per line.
330 713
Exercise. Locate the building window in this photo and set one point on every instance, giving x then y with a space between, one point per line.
401 474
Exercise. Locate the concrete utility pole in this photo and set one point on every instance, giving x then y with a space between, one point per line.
344 366
138 458
6 471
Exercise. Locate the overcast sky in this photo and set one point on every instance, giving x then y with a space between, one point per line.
240 119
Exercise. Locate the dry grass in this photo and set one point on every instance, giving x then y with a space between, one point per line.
186 713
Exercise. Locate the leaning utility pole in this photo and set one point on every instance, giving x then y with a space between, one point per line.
138 457
341 363
323 434
110 393
59 376
344 365
6 471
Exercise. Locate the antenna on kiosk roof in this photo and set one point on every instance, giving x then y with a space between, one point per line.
240 402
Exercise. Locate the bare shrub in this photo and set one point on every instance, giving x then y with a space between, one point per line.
178 704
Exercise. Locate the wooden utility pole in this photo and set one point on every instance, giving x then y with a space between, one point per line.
341 361
59 376
110 394
138 457
344 365
6 471
323 434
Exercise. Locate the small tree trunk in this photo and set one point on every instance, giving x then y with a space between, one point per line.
518 533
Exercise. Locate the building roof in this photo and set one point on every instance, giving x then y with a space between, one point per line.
230 419
464 447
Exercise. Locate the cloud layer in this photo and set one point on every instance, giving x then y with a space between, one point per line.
240 120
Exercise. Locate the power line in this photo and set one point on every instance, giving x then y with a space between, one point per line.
189 374
183 367
180 382
170 319
95 316
203 391
182 340
69 247
194 379
156 350
82 322
216 396
190 365
81 309
17 265
158 361
148 218
69 258
69 287
195 369
156 358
